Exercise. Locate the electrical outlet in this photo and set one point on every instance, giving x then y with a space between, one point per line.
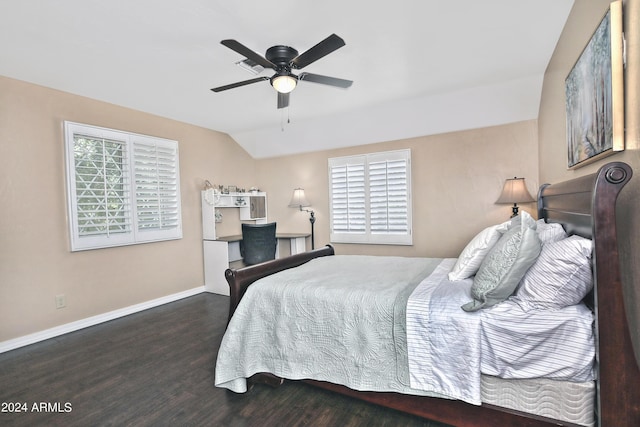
61 301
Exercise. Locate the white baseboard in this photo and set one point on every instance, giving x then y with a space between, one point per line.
94 320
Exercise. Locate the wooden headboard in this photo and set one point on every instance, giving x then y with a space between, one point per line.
586 206
577 205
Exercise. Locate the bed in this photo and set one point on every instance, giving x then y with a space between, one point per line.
598 387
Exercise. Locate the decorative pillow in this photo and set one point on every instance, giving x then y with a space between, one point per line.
549 233
472 255
560 277
505 264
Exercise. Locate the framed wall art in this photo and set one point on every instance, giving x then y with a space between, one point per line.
594 91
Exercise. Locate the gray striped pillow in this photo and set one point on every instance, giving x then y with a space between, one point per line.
549 232
560 277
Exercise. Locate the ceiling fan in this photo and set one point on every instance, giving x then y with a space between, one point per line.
283 59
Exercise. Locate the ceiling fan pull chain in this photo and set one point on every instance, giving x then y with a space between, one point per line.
282 118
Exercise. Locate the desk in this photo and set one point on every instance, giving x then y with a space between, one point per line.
296 243
226 249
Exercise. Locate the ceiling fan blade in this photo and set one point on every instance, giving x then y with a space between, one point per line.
238 84
283 100
325 80
325 47
248 53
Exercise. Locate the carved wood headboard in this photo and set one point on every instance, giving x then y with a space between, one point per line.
586 206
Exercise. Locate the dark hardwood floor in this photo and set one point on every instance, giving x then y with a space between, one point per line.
156 368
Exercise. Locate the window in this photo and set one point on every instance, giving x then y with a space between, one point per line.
122 188
370 198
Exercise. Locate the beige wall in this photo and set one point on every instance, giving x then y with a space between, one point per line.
584 18
456 179
35 261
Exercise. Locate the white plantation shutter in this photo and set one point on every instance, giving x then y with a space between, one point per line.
156 187
348 212
122 188
370 198
389 198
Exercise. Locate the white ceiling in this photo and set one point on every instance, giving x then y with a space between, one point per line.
419 67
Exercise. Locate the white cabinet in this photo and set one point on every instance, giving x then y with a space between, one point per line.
256 209
251 207
216 261
208 217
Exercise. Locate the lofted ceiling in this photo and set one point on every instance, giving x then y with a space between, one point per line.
419 67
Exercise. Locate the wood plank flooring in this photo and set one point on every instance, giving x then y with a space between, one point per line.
156 368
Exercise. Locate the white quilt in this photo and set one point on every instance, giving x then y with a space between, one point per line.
339 319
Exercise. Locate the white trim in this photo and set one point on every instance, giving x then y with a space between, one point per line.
94 320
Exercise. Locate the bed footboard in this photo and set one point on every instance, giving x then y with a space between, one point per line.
240 279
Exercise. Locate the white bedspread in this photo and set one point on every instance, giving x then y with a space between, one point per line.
449 349
339 319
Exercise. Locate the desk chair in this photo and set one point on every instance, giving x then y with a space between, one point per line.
258 243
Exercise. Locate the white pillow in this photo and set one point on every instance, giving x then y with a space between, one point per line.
560 277
472 255
551 232
505 264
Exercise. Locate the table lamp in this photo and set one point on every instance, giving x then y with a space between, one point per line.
514 191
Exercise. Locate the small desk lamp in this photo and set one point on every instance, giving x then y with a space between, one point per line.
299 200
514 191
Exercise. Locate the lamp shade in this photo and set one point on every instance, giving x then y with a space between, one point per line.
299 200
515 191
284 83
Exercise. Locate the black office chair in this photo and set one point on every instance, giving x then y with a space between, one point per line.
258 243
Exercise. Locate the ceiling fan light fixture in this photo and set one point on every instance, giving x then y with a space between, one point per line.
284 83
282 59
